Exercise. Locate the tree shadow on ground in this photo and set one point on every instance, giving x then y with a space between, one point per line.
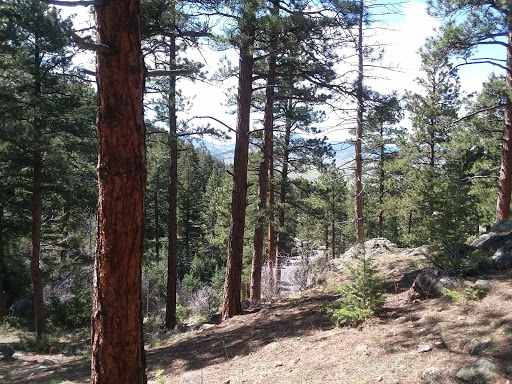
243 336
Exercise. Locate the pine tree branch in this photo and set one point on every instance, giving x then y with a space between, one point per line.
77 3
168 73
496 106
214 119
87 45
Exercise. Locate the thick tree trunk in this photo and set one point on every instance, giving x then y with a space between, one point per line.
231 301
117 340
358 174
170 314
268 124
505 183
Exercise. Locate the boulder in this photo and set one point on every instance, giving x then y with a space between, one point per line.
430 283
6 352
483 285
480 371
502 258
372 247
495 237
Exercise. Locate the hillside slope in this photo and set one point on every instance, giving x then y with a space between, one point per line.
294 341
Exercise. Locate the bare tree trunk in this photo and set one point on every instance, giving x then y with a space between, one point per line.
2 298
231 301
271 234
505 183
157 224
358 174
268 124
380 220
117 340
170 314
281 235
326 238
37 169
333 238
35 271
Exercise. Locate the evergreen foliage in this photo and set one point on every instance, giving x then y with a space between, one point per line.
362 297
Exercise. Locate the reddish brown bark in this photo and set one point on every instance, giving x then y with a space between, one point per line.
505 182
231 301
268 125
170 313
117 342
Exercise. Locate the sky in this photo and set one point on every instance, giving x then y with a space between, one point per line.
401 36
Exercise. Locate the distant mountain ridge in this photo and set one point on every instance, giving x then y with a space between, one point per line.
225 152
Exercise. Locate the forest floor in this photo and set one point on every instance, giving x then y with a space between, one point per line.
294 341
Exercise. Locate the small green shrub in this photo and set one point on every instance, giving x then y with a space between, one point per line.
457 258
361 298
47 343
462 294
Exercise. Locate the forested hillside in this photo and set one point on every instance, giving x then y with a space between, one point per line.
118 221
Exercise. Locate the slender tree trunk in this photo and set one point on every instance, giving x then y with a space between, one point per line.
2 298
37 169
170 314
157 223
117 340
380 220
333 238
505 183
231 301
358 174
326 238
271 201
282 235
35 271
268 124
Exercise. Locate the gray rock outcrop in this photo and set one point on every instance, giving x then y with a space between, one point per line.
481 371
430 283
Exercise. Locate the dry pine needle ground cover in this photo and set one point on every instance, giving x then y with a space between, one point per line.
294 341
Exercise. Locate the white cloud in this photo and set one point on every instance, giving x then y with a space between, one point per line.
400 35
402 39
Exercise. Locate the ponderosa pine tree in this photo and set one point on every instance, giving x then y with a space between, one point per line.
267 158
380 137
231 301
467 25
482 134
46 117
164 25
358 173
117 341
433 112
